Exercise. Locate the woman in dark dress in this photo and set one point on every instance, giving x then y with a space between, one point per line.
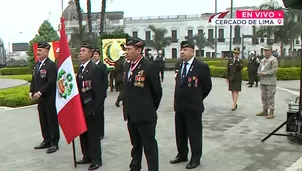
234 76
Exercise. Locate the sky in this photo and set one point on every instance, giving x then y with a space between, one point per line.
27 15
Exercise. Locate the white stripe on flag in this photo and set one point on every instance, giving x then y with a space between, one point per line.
67 67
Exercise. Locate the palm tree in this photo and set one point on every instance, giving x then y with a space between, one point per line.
79 11
268 31
159 41
102 20
89 16
287 33
201 42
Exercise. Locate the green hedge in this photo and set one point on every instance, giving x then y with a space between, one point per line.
15 71
282 73
15 96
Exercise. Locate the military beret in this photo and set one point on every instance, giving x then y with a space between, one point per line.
87 45
97 50
132 41
236 50
187 44
44 45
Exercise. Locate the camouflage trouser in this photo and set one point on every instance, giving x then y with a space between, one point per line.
268 96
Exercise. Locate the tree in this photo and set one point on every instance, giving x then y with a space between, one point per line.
80 16
89 16
268 31
46 33
159 41
102 19
290 31
201 42
78 37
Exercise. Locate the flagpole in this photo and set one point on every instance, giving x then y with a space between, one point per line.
216 30
74 154
62 6
231 30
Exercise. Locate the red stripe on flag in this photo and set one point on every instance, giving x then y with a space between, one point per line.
71 121
71 116
220 15
223 14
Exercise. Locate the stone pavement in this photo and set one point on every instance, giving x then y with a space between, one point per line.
6 83
231 139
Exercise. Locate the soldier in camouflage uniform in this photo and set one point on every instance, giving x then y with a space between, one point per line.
268 79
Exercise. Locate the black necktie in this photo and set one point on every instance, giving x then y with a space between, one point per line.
184 71
38 66
81 70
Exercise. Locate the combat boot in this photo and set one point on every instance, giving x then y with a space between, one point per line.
263 113
270 115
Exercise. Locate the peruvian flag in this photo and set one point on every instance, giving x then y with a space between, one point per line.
68 103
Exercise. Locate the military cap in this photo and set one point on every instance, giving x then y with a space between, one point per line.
133 41
44 45
268 48
87 45
97 50
187 44
236 50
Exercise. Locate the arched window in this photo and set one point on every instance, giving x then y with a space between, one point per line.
174 53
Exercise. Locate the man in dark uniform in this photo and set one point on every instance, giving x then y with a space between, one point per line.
193 84
43 90
91 89
161 62
253 68
142 95
119 73
104 78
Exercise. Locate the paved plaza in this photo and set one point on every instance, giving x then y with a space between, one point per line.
231 139
6 83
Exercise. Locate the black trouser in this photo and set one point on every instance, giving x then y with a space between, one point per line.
162 74
102 115
118 85
188 125
253 77
111 79
142 136
49 122
90 140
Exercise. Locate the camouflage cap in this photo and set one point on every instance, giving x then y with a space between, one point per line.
268 48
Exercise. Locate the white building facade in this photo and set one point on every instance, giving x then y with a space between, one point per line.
181 26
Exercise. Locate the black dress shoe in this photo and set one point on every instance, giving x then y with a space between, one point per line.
52 149
117 103
43 145
179 160
94 166
84 161
192 165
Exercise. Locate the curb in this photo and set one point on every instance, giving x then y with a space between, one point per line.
15 108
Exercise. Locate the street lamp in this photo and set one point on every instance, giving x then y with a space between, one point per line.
9 45
215 31
231 29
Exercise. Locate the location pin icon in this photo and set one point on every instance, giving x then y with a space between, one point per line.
279 21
